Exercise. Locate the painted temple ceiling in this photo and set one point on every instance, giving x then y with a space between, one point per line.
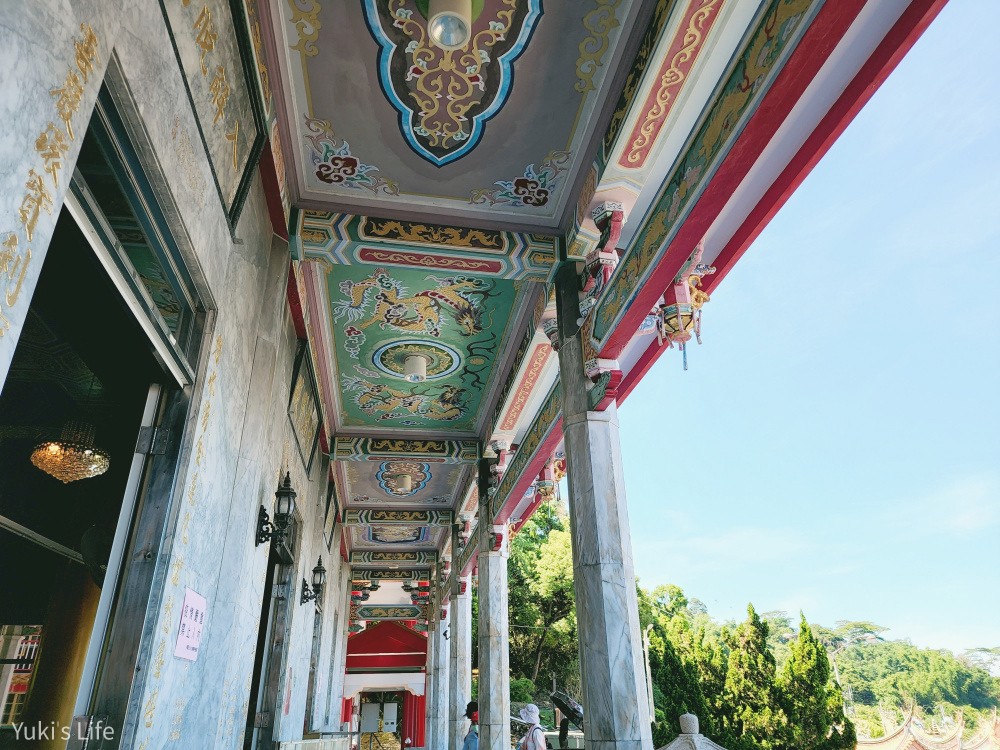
382 315
499 132
392 525
429 196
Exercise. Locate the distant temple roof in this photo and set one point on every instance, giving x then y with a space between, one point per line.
911 736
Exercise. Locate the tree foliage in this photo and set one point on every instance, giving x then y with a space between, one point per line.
813 704
755 685
542 606
897 673
752 715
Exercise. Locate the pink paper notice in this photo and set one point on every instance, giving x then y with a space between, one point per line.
192 623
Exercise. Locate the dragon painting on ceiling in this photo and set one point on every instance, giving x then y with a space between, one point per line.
443 97
455 322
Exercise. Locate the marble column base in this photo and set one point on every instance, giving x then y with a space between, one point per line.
494 656
438 737
460 677
616 712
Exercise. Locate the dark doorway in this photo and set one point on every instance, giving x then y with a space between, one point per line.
272 642
258 719
271 650
82 361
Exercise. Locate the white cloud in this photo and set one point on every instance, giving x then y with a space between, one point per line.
727 549
966 505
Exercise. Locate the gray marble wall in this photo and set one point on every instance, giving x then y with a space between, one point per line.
239 439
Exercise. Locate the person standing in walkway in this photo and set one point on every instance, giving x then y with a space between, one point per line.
534 738
472 738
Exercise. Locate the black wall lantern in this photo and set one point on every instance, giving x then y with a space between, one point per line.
284 507
318 581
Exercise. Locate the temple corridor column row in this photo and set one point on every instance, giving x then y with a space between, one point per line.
440 715
431 676
616 712
494 630
460 677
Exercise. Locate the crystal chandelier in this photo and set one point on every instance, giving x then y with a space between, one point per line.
74 456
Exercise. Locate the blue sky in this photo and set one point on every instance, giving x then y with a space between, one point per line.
835 444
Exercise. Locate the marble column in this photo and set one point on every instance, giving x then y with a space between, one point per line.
439 719
460 679
429 684
616 712
494 637
343 606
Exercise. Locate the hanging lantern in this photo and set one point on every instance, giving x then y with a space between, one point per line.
680 316
677 322
74 456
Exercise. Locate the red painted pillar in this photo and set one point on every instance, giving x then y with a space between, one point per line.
347 711
414 720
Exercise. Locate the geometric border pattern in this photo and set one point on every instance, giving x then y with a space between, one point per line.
380 449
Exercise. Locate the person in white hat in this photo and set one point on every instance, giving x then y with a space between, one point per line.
534 738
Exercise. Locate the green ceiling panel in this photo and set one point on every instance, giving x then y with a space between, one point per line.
381 316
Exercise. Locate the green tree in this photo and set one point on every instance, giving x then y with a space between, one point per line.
753 718
675 686
708 656
843 734
812 704
896 672
552 588
543 639
522 690
687 660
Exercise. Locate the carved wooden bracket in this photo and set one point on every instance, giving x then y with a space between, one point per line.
605 390
496 538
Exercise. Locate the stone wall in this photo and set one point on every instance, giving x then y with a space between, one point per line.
238 441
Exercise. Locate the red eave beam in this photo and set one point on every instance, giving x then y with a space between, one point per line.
812 51
900 39
272 192
542 455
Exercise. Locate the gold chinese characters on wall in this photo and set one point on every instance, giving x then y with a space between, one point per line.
41 181
212 38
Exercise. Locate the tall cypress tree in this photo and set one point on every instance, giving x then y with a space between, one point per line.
754 719
842 733
704 655
811 701
675 686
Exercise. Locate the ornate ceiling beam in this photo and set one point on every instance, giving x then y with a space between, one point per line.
388 517
366 576
388 612
346 239
388 449
908 28
672 46
394 559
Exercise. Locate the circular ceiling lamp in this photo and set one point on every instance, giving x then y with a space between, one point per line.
449 23
415 368
404 482
74 456
415 360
